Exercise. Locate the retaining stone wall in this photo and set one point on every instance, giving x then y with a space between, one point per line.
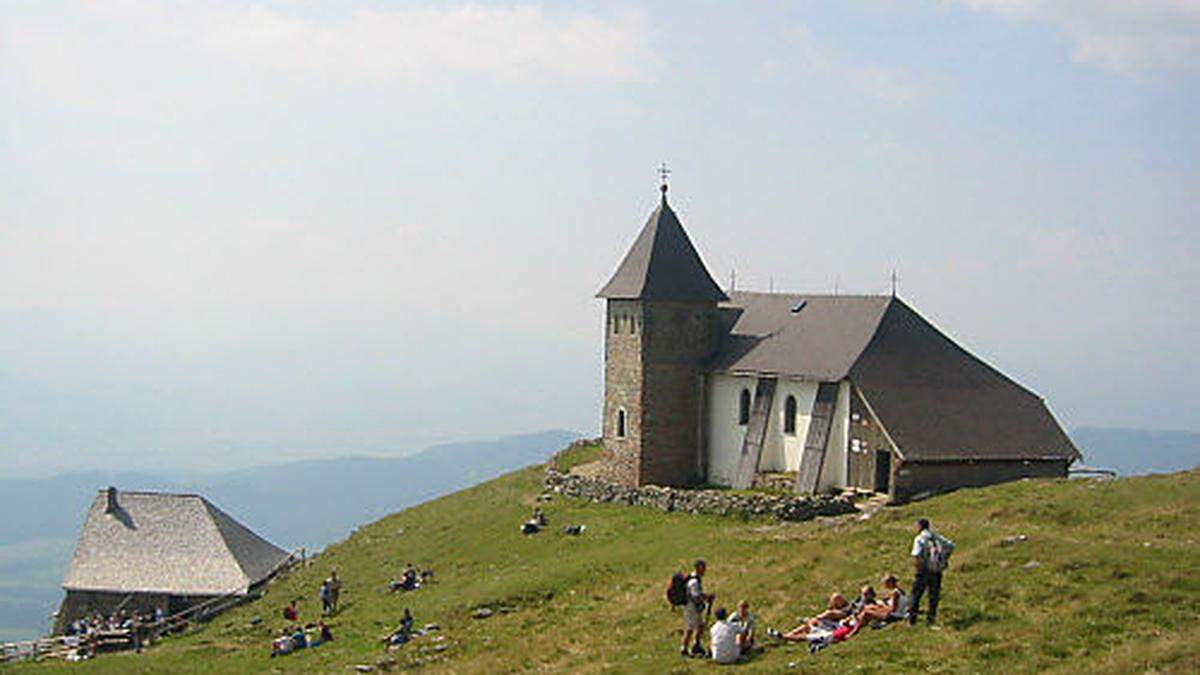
714 502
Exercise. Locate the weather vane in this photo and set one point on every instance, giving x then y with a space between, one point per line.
663 173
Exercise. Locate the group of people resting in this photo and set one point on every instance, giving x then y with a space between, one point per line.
842 619
538 522
295 637
410 579
732 637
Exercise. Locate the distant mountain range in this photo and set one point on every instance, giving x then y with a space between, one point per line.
1138 451
307 503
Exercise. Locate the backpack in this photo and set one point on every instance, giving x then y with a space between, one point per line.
938 557
677 590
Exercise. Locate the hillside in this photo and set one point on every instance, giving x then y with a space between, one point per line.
287 503
1105 582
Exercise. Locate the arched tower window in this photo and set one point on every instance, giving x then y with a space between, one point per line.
620 423
789 415
744 408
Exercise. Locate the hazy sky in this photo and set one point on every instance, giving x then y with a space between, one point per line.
240 233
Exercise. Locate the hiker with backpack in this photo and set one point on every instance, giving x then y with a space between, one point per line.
687 591
931 556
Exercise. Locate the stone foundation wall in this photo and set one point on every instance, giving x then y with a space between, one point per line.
714 502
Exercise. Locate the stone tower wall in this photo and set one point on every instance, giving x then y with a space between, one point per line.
653 352
623 370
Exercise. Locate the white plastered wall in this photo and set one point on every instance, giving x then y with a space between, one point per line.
835 470
781 452
723 434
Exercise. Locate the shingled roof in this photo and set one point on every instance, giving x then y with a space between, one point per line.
662 264
937 401
821 341
177 544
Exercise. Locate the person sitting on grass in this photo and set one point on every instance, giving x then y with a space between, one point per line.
725 638
323 633
745 622
290 612
866 598
892 608
403 632
282 644
829 619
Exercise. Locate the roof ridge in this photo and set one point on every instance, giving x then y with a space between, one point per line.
155 493
790 294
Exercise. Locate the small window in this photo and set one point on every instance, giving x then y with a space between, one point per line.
789 416
621 423
744 408
616 324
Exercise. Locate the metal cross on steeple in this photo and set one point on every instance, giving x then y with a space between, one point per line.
663 173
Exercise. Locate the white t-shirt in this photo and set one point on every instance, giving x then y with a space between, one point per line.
694 591
724 642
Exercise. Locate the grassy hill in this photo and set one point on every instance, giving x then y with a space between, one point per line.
1106 582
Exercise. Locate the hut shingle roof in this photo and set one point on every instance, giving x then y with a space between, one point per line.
176 544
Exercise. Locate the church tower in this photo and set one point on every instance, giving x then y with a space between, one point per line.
660 325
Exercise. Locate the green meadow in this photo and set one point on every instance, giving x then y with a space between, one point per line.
1107 580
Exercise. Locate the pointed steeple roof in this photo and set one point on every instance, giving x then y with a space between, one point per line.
662 265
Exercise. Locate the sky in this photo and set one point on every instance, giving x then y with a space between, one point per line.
240 233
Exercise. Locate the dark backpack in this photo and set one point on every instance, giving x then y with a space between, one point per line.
677 590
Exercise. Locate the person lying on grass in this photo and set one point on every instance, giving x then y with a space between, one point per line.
837 610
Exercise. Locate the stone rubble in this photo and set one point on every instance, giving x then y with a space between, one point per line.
699 501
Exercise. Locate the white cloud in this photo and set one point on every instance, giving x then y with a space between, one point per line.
515 43
1124 36
153 61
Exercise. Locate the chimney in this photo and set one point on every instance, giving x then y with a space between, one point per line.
112 506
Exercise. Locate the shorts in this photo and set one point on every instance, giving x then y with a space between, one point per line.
693 617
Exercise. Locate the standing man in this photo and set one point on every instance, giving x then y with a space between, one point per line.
693 611
335 590
931 556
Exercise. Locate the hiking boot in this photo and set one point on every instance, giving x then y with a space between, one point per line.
774 634
697 650
912 619
683 651
930 620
